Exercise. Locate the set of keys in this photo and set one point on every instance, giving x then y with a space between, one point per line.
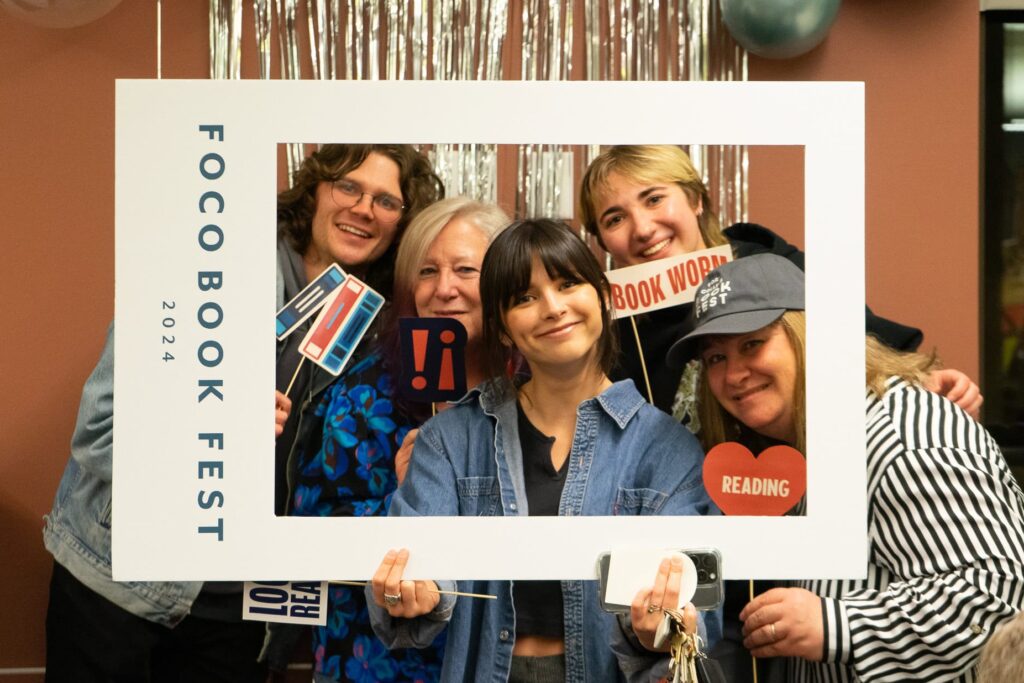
684 648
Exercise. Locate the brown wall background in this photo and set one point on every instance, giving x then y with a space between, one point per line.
919 58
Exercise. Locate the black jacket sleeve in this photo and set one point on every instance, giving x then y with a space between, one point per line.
751 238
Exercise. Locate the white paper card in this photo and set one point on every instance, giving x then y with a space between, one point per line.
630 569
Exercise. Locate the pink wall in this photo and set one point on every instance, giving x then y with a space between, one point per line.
920 62
918 57
57 194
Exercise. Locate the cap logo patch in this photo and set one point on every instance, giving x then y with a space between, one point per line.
713 293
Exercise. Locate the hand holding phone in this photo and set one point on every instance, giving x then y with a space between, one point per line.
702 577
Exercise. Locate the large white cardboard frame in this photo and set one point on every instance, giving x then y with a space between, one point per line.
160 154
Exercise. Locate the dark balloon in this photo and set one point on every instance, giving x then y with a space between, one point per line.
779 29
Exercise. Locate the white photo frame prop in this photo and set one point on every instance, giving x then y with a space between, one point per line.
196 154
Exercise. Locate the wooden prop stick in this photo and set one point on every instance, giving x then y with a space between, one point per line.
643 363
439 592
294 376
753 659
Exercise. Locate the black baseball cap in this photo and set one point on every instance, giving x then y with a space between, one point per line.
739 297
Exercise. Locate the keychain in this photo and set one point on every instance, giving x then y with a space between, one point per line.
684 648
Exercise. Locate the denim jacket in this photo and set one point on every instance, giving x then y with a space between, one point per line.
77 531
627 458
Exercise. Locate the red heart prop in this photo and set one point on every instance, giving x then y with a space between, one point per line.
766 486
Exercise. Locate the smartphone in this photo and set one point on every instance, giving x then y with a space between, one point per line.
709 593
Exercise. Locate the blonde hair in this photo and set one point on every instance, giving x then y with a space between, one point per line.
1001 660
648 164
881 363
424 229
718 426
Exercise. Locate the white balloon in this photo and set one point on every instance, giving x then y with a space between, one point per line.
58 13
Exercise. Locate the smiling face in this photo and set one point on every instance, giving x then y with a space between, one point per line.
352 236
753 376
556 322
447 284
641 222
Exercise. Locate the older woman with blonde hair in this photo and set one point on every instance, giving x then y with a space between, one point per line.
437 270
367 433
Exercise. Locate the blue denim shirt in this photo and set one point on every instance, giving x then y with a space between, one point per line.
77 531
627 458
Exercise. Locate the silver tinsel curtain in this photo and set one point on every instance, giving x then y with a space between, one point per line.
466 39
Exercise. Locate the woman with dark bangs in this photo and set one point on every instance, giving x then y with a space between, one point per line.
566 441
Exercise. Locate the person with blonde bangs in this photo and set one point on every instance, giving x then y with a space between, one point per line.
945 514
648 202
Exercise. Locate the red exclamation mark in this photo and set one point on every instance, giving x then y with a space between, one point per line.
446 377
419 355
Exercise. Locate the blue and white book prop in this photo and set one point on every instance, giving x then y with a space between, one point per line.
663 283
433 359
309 300
286 602
341 324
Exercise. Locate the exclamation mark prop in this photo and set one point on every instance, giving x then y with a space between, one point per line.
433 359
419 357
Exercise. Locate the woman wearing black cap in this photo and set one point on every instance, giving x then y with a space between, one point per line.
946 517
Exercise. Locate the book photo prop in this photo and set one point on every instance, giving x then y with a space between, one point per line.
197 503
285 602
666 282
767 485
342 322
309 300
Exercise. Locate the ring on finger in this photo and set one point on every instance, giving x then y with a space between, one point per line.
771 627
652 608
392 600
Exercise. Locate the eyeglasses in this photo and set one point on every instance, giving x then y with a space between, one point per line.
386 208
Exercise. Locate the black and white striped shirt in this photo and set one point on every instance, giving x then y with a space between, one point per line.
946 557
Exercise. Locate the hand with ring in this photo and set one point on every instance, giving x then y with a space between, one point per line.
645 613
784 622
400 598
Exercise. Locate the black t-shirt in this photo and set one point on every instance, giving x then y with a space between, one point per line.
538 604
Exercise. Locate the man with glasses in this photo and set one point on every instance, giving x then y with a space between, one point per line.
348 205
